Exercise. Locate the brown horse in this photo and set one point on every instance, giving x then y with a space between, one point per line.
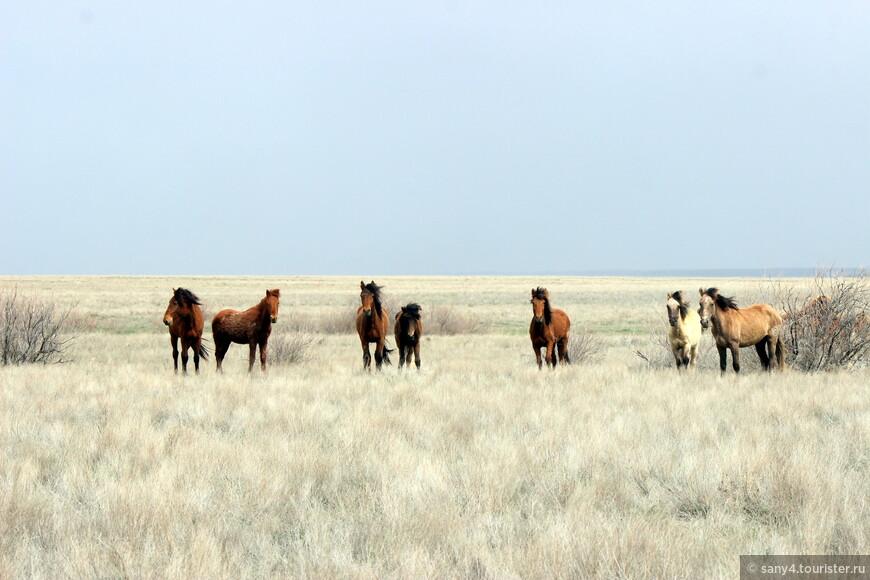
549 329
183 316
372 325
251 327
408 330
759 325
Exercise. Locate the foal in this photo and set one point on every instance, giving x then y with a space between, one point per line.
408 330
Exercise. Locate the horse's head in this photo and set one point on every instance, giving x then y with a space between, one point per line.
370 297
707 305
174 303
541 304
273 298
410 314
676 307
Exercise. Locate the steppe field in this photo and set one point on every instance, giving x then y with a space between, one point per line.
478 466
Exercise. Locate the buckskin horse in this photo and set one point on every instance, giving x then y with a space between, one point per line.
684 331
548 329
251 327
759 325
183 316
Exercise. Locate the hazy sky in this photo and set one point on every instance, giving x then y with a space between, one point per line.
284 138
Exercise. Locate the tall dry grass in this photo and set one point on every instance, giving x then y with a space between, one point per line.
478 466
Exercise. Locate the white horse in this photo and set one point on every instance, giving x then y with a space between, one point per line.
684 332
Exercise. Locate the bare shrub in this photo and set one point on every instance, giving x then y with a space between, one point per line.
447 320
33 330
827 328
585 348
290 348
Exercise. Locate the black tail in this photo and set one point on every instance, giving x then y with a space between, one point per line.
386 360
203 350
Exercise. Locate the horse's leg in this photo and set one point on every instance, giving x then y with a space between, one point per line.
379 353
184 357
537 350
197 345
252 354
220 350
693 356
367 357
723 358
551 354
174 340
402 349
264 346
417 354
678 356
563 351
761 349
735 356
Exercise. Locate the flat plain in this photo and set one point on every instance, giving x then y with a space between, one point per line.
479 465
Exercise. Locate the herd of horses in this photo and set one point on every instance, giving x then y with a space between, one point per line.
733 328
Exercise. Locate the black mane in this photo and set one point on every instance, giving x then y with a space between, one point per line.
376 294
684 308
542 294
185 296
411 311
723 302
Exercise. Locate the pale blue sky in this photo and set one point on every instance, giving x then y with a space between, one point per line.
285 138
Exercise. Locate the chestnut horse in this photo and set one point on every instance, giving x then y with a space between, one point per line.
684 332
251 327
183 316
372 325
759 325
408 330
549 329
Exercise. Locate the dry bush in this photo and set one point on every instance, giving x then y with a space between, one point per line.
33 330
447 320
290 348
827 328
585 348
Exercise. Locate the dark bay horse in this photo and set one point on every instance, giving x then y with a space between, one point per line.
183 316
549 329
759 325
408 330
372 325
251 327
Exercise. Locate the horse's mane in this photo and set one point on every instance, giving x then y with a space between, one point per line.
376 294
411 311
722 302
542 294
185 296
684 308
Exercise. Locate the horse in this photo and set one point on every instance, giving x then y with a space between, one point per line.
372 325
251 327
548 329
408 330
684 331
183 316
759 325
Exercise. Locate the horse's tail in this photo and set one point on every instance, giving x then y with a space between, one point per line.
203 350
386 360
780 353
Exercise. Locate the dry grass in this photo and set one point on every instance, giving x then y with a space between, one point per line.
478 466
